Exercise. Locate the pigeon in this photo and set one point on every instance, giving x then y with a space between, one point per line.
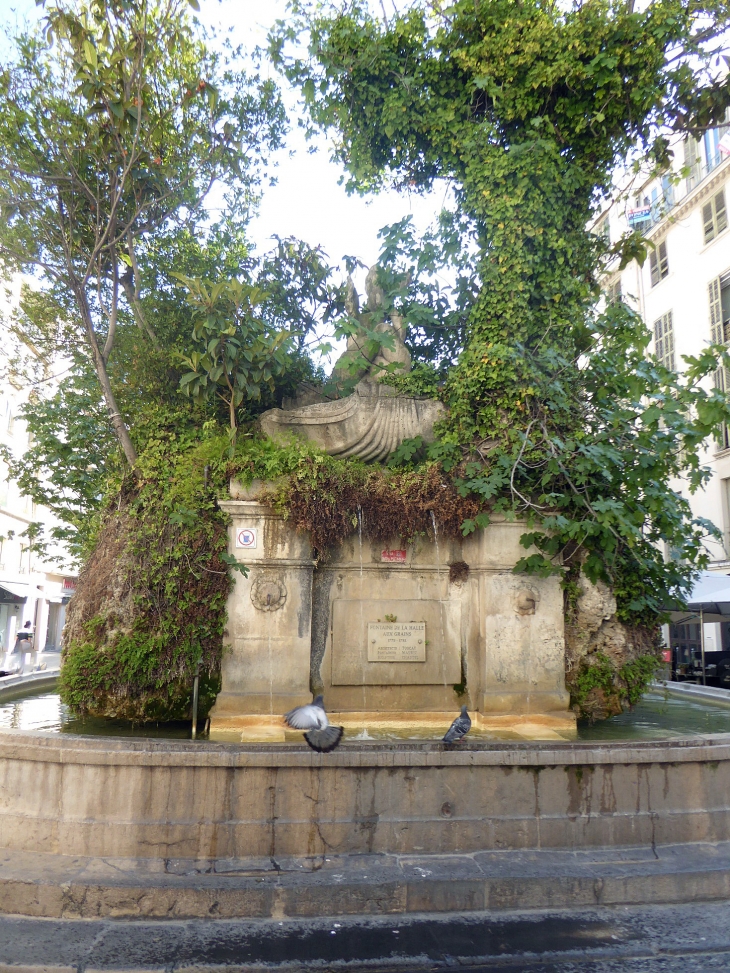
319 733
459 728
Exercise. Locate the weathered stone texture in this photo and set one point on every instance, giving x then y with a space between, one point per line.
501 633
593 630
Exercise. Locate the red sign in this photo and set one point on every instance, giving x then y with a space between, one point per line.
393 556
69 584
667 655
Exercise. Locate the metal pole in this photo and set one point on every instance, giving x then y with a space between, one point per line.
702 645
195 698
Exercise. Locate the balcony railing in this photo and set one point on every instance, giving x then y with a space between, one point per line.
661 207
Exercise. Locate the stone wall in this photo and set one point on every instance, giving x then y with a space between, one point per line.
129 799
296 627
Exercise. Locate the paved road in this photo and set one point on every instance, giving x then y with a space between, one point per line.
658 939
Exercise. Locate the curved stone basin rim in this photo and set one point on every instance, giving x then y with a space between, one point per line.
72 747
142 799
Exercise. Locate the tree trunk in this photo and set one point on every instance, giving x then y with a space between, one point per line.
138 313
118 424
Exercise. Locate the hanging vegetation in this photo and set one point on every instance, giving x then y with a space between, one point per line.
151 596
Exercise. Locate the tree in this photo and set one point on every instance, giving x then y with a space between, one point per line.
297 280
238 354
526 108
115 123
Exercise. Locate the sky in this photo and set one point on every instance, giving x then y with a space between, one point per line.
307 202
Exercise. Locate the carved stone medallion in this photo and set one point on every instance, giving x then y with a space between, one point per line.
526 601
268 593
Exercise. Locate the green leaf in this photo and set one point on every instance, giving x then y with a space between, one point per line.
90 53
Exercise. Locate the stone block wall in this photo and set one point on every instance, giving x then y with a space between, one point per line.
297 628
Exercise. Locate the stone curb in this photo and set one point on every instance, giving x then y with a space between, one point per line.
59 887
4 968
13 687
55 748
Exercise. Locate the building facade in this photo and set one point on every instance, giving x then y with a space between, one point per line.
683 294
32 589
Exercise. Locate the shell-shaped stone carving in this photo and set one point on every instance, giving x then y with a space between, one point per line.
368 424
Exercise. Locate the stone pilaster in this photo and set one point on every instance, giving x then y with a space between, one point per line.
266 659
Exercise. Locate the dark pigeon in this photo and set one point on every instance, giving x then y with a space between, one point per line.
319 733
459 728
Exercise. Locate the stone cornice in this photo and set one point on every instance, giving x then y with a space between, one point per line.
691 200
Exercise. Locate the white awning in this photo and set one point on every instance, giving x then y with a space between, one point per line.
711 596
11 591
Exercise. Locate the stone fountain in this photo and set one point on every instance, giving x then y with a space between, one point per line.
395 636
253 824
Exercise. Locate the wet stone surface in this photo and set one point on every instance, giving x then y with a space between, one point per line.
695 936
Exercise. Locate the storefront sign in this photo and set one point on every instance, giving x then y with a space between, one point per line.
639 215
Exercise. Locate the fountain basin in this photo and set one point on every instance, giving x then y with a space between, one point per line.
109 826
161 799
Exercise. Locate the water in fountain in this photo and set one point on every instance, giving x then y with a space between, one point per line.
657 716
440 597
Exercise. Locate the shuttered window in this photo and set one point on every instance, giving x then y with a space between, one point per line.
716 328
722 433
613 292
659 263
692 162
714 216
603 231
664 340
719 294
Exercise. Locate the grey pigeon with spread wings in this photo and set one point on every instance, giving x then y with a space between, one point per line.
319 732
459 728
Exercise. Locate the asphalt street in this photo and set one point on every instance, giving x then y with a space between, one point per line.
658 939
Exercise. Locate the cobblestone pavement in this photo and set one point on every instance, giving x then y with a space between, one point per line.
658 939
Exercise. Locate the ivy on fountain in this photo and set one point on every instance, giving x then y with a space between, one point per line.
152 594
331 499
555 412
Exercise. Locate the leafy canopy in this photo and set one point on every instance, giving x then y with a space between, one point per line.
526 108
116 120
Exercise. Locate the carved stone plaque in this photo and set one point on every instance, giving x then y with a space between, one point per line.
396 641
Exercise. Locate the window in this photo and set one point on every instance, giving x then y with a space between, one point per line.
664 340
725 484
667 193
659 263
660 200
714 216
603 231
722 434
613 292
719 294
712 139
692 162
